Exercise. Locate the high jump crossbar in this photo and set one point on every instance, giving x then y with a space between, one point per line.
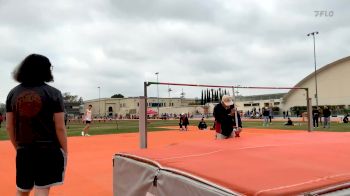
222 86
143 103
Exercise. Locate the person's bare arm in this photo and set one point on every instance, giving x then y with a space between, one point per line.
10 127
61 131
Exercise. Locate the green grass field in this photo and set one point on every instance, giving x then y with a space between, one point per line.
128 126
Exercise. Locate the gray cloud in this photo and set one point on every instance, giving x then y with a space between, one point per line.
118 45
195 10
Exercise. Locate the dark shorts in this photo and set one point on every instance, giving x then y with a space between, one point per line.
88 121
41 167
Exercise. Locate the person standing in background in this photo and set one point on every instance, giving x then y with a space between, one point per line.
315 116
266 114
65 118
180 123
270 114
320 112
1 119
185 122
327 117
88 119
35 124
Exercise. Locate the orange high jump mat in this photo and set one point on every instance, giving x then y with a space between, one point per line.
270 164
90 172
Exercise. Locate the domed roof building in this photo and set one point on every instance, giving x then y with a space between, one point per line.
333 87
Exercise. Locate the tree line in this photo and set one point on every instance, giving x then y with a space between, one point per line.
212 95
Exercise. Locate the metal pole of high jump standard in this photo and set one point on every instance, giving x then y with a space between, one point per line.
236 107
143 117
143 103
309 109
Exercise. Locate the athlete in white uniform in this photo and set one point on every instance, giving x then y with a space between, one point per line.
88 119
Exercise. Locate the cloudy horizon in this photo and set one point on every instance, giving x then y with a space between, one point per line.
117 45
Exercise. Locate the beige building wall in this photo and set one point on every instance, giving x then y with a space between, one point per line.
124 106
182 109
249 105
332 86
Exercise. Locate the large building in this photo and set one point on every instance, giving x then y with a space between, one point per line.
333 91
332 87
113 107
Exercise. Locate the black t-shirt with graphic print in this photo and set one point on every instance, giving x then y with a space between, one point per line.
33 107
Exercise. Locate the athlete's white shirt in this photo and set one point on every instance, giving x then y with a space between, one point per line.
88 115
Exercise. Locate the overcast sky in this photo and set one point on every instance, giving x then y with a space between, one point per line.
119 44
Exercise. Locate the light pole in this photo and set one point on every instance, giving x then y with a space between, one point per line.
157 73
237 92
313 36
182 95
169 90
99 101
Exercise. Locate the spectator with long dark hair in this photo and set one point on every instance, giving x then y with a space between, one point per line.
35 124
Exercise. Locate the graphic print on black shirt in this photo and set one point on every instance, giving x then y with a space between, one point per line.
28 104
33 107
